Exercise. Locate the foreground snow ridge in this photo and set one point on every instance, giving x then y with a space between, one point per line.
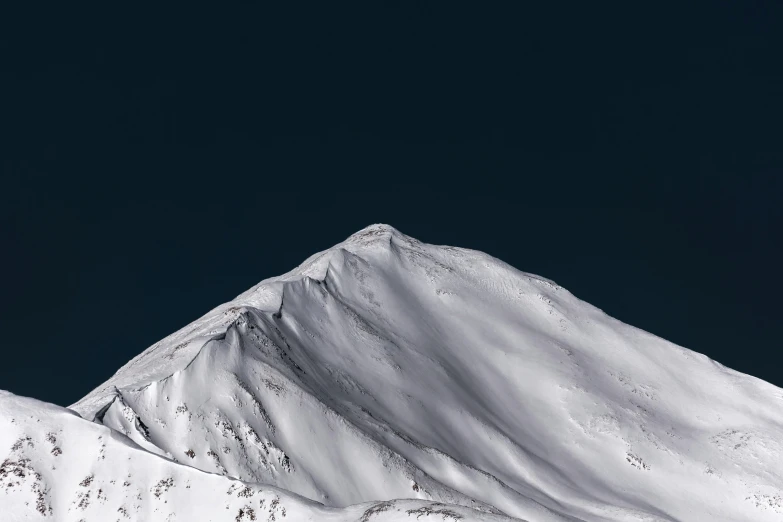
386 379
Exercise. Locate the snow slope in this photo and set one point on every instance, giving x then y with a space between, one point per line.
59 466
385 368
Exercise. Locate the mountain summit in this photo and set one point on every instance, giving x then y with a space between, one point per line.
388 379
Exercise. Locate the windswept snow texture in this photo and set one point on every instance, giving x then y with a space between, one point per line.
386 369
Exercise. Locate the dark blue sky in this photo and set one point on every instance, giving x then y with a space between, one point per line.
158 164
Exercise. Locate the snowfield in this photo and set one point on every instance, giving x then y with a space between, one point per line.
59 466
387 379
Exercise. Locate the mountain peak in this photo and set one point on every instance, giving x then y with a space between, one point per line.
385 368
377 228
374 233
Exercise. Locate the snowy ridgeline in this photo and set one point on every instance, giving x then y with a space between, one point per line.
386 379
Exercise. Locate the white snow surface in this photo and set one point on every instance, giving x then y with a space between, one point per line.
59 466
387 379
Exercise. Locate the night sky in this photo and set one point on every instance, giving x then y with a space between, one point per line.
156 164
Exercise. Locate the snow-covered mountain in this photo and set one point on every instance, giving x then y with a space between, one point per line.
385 369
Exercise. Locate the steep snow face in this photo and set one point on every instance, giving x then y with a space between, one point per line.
385 368
58 466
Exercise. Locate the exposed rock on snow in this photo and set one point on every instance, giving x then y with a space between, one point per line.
81 484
